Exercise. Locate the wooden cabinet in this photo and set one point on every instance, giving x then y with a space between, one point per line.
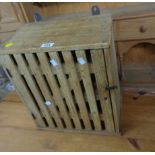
8 13
135 42
135 29
65 75
13 16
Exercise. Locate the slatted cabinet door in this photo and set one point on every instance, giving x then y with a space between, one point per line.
64 90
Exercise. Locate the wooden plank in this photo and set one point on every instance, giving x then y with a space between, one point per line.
8 115
101 80
66 90
64 22
75 82
115 76
37 34
112 73
12 96
38 49
141 129
24 94
46 69
34 89
5 27
44 88
85 75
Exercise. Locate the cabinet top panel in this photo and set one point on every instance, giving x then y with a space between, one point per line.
61 34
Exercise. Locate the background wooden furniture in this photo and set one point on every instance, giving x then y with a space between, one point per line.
81 94
13 16
135 40
54 9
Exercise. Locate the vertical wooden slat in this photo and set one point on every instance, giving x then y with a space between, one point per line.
23 67
85 75
66 90
101 80
46 69
22 89
44 88
110 59
75 82
118 99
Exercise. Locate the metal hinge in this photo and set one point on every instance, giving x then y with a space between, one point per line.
111 87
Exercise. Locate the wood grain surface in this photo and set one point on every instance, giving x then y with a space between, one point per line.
66 34
18 132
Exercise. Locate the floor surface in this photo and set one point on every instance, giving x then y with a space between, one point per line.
18 132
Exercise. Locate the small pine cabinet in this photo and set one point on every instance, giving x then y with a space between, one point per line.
65 71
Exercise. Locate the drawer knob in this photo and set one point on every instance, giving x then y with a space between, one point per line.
142 29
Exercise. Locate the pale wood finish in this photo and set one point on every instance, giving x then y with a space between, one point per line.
73 89
57 95
7 13
140 28
61 34
11 12
140 17
135 45
138 130
137 58
6 36
25 94
66 90
5 27
85 76
34 89
101 79
52 9
74 81
39 89
28 10
44 88
13 16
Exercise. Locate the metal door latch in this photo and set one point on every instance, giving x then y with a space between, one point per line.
111 87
